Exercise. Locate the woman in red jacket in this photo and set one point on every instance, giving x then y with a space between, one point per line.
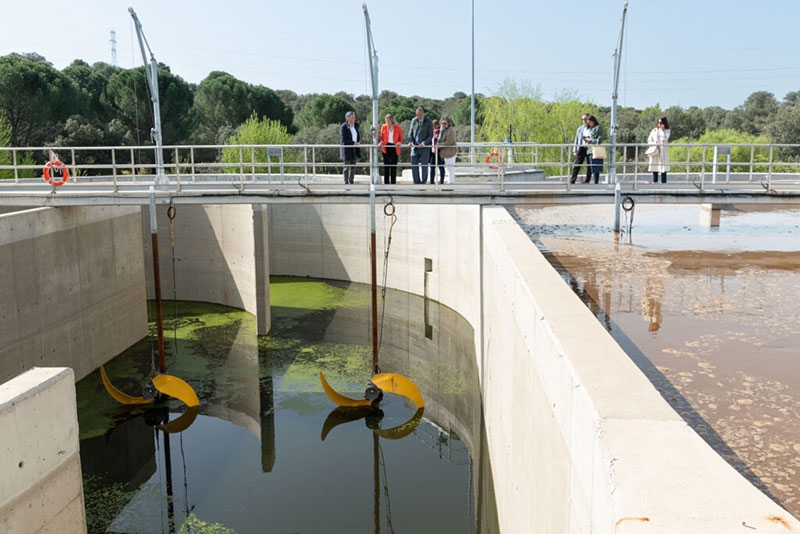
391 137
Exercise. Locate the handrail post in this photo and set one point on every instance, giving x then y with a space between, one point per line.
253 162
752 160
501 175
177 170
688 161
114 168
133 167
14 161
769 175
72 158
241 168
305 164
703 170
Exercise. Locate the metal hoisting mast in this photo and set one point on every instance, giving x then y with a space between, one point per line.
373 70
612 167
151 71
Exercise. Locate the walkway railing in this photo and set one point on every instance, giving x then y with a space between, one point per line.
496 164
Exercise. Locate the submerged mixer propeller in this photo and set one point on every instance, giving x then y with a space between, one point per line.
380 383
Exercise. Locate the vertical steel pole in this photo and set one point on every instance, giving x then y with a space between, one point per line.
373 63
162 364
472 98
612 164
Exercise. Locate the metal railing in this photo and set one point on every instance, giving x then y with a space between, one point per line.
497 164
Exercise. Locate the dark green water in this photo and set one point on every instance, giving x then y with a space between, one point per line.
255 459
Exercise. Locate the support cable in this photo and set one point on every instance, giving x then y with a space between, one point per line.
389 211
171 212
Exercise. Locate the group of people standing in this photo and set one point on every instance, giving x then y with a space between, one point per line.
432 144
590 134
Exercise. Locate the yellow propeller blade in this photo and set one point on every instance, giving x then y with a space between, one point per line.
181 423
338 398
119 396
401 431
400 385
177 388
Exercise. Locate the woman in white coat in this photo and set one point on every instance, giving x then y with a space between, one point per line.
658 151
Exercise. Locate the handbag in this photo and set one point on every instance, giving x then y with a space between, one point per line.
598 152
652 152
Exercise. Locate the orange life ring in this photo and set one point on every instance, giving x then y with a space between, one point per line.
498 160
56 173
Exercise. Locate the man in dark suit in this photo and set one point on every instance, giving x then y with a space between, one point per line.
349 140
420 135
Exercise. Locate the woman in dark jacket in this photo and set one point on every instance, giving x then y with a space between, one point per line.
349 139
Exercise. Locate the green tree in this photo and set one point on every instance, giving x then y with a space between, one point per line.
687 124
254 131
462 115
627 119
220 105
792 98
714 117
648 118
128 97
402 109
35 98
520 107
325 109
223 102
292 100
530 118
266 103
757 111
91 82
78 131
783 129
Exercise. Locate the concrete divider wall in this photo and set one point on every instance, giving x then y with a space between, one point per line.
332 241
41 489
578 438
72 287
214 256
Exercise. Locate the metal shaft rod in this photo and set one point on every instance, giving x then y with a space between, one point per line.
162 363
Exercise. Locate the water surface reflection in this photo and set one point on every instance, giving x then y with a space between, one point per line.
255 459
710 313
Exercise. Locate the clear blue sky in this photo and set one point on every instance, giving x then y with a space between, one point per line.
679 52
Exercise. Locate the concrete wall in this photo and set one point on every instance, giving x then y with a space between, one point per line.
578 438
332 241
72 287
41 489
215 258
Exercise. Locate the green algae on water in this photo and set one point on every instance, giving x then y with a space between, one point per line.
309 294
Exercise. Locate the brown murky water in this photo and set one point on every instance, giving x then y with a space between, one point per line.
710 313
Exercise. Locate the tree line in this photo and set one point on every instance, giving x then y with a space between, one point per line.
102 105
